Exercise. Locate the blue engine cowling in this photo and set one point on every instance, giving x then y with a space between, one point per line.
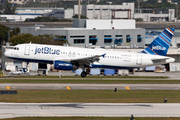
62 65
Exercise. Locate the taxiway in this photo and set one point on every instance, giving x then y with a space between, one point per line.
10 110
56 86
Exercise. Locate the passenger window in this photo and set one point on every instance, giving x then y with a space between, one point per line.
17 48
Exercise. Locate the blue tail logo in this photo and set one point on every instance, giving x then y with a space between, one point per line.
161 44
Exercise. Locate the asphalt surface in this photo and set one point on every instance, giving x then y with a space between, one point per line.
56 86
171 75
10 110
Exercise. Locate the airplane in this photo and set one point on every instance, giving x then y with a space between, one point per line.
71 58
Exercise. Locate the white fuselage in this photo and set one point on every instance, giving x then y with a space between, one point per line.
111 59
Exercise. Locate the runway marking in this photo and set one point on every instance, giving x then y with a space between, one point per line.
5 113
68 88
8 87
127 88
54 114
45 113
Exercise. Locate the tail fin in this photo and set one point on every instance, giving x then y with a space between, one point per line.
161 44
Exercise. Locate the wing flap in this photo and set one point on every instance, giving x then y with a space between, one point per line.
85 59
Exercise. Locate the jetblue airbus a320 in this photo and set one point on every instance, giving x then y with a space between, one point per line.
70 58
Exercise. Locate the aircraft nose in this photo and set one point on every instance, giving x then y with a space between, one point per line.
6 53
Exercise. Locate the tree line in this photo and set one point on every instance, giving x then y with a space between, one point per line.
6 32
17 38
8 8
40 39
48 19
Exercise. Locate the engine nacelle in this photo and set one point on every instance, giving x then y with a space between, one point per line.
62 65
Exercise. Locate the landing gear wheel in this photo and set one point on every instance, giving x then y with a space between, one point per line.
83 74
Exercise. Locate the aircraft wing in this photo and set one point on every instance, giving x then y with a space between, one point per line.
83 60
87 60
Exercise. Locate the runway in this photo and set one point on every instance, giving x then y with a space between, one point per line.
9 110
56 86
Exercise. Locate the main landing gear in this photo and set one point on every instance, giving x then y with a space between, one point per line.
83 74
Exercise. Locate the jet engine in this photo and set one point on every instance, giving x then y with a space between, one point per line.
62 65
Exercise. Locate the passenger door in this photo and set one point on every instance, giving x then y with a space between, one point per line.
27 50
139 60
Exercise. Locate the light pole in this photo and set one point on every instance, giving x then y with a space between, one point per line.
114 10
138 6
79 16
177 11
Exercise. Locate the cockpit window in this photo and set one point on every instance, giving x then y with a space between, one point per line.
15 48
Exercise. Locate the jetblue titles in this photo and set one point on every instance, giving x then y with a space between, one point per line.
158 48
46 50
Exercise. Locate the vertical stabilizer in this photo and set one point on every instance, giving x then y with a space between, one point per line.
161 44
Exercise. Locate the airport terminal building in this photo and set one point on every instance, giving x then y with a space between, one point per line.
97 33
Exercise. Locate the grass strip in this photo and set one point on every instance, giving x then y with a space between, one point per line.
91 81
36 76
31 76
92 96
1 73
93 118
